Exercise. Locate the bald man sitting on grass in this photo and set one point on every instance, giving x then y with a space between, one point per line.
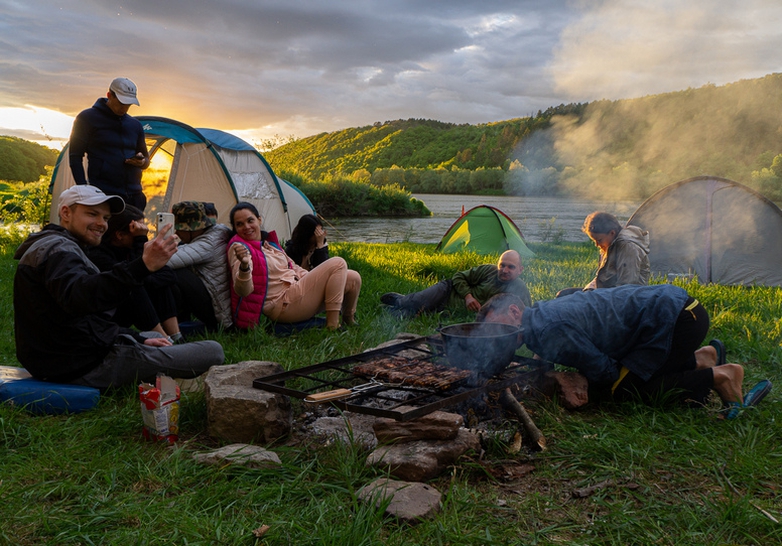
472 288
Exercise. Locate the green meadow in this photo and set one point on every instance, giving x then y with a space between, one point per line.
655 474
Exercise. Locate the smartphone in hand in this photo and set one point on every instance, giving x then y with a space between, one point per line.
164 218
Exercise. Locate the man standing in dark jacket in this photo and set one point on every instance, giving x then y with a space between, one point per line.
63 304
114 144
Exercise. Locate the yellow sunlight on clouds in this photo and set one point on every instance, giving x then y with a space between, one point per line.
54 127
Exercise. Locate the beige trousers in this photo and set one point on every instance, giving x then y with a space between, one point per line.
329 287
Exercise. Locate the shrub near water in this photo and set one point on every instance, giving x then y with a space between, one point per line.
657 476
341 196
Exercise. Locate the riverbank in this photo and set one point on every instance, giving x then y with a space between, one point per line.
540 219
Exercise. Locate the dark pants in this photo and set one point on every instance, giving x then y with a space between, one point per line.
434 298
129 362
193 299
678 372
568 292
146 307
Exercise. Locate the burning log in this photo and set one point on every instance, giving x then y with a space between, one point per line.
510 403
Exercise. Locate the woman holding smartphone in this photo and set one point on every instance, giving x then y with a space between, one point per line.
265 281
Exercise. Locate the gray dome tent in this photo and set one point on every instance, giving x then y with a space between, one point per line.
717 229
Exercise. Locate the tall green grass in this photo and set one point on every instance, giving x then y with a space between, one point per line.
670 476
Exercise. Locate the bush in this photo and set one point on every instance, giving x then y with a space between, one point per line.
25 203
343 196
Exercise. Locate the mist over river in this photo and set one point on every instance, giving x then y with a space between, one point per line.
539 218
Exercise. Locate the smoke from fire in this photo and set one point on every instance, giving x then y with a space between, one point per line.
629 148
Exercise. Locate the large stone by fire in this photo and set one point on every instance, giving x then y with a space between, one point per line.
237 412
408 502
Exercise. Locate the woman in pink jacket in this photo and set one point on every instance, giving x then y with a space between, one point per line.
266 281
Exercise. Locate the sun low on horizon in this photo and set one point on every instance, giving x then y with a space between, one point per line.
54 125
32 122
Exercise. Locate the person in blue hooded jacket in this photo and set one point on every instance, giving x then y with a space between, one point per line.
634 341
114 145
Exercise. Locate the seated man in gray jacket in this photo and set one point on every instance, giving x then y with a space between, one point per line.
472 288
201 266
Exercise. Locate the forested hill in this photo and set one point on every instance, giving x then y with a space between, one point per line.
412 143
616 149
22 160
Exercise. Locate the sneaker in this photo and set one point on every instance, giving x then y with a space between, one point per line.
757 393
391 299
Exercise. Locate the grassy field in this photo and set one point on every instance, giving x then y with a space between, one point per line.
664 476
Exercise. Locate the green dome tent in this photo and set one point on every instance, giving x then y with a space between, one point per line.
484 230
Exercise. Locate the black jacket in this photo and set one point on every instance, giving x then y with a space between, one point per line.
63 305
108 140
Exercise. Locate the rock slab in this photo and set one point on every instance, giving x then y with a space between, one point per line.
423 459
350 428
409 502
240 454
438 425
237 412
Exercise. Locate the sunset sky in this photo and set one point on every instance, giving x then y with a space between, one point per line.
259 68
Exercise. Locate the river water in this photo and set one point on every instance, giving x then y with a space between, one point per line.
539 219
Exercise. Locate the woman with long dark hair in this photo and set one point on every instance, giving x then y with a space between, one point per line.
307 245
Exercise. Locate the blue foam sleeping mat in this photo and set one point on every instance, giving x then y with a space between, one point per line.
17 387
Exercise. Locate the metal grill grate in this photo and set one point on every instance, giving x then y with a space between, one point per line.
400 401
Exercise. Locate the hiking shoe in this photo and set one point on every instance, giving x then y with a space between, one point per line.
392 299
757 393
720 347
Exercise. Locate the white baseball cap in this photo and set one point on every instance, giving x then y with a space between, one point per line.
84 194
125 91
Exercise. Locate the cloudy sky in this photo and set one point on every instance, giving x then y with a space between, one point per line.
259 68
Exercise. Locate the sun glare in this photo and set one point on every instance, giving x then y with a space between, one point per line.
50 124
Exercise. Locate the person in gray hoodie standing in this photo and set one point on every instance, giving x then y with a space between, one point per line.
624 253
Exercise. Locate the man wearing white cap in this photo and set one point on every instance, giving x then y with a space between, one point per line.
114 144
63 304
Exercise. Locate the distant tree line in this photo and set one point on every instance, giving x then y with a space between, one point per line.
441 180
343 196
